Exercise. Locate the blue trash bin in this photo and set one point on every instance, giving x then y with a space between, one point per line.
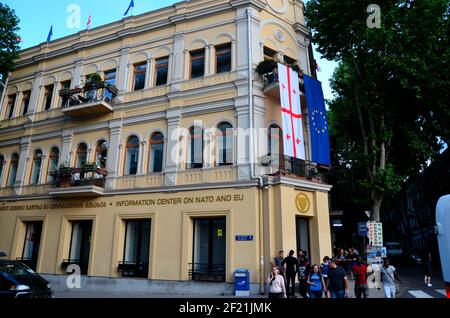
242 282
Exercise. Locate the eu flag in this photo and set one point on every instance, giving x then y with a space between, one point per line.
319 128
50 34
129 7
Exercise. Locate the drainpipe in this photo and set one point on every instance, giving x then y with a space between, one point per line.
251 152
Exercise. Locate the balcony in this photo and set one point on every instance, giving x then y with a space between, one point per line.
301 169
88 181
130 269
269 73
206 272
94 99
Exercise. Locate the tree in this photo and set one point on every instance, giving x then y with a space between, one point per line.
9 43
392 88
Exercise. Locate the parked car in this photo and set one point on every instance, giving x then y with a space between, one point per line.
443 235
414 256
19 281
394 250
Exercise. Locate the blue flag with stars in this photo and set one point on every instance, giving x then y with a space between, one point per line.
129 7
50 34
319 128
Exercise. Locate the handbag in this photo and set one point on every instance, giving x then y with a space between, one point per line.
397 286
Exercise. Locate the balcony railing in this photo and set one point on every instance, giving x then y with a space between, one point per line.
88 181
293 167
92 99
207 272
131 269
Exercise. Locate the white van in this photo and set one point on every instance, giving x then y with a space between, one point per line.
443 229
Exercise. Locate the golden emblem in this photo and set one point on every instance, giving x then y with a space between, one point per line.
302 203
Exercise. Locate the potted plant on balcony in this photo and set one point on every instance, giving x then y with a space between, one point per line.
62 177
92 81
266 67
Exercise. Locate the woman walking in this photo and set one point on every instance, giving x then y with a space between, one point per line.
276 284
316 283
426 263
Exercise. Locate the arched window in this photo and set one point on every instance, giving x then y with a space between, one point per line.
156 153
13 170
2 164
53 161
131 156
101 153
81 155
37 165
195 148
275 143
224 144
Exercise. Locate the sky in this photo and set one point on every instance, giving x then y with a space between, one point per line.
36 18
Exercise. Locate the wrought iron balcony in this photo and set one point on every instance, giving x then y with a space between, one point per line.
132 269
88 181
207 272
93 99
293 167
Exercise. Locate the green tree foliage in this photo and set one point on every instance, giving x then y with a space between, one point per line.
9 44
392 87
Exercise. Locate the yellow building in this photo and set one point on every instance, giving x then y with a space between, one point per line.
139 149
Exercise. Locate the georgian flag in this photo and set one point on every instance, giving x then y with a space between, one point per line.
294 143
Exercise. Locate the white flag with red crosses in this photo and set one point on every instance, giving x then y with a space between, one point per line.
294 143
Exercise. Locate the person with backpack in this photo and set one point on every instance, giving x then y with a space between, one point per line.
316 283
303 270
277 288
324 268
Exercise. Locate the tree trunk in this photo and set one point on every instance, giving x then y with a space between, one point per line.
377 199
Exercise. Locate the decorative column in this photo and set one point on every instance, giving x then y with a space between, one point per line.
44 173
35 93
207 60
148 73
243 139
173 150
186 64
114 150
67 138
122 75
55 96
233 55
175 65
142 156
25 144
16 112
170 76
78 75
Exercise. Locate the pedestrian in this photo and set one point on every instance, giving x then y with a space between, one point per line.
351 260
316 284
426 264
278 261
337 283
277 287
291 269
359 270
303 270
388 276
325 267
341 259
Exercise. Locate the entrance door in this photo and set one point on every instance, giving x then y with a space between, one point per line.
80 244
209 249
32 243
302 226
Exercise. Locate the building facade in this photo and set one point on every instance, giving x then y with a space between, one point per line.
150 148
